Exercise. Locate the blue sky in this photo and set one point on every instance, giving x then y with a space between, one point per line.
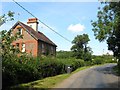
68 19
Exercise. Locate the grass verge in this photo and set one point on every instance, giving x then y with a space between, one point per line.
48 82
116 70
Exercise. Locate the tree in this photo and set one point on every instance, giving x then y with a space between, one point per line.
4 18
7 48
80 48
107 27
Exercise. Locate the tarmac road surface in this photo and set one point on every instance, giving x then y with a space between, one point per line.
94 77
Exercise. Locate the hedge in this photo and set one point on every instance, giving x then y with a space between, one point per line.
25 69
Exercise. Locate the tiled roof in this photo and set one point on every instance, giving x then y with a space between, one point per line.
37 35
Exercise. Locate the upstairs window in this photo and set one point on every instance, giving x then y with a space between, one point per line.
23 47
11 33
20 31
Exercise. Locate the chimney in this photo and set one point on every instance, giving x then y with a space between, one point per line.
33 23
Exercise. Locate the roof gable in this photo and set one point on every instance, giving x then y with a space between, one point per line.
37 35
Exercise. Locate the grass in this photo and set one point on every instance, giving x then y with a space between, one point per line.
48 82
45 83
116 70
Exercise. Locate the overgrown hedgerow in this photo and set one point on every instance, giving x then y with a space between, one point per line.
51 67
16 70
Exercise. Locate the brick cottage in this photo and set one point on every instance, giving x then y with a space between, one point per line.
33 41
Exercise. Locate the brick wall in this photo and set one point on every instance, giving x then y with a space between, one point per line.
31 45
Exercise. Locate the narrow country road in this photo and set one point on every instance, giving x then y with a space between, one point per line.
94 77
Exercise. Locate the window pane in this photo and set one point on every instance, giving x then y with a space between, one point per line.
20 31
17 44
52 49
23 47
43 48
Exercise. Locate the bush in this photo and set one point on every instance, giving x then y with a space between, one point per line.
50 68
64 54
88 63
98 60
74 63
8 74
15 72
24 69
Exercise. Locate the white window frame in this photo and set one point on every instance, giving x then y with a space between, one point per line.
11 33
20 31
23 47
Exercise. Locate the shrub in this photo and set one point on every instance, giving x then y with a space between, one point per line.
64 54
74 63
88 63
50 68
24 69
15 72
8 74
98 61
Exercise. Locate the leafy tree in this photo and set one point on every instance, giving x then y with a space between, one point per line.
80 48
107 27
4 18
7 48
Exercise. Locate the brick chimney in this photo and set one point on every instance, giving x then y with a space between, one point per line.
33 23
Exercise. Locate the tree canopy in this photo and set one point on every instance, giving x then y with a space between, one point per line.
107 26
6 17
6 38
80 48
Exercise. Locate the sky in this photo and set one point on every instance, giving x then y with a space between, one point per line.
67 18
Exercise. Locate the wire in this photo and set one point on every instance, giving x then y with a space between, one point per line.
41 21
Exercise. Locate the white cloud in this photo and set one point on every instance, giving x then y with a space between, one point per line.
76 28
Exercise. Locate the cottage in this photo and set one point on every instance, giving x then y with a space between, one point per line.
33 41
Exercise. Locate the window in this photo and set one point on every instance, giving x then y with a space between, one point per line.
23 47
17 45
11 33
43 48
20 31
52 49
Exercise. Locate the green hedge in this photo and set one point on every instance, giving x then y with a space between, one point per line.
15 72
51 67
25 69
